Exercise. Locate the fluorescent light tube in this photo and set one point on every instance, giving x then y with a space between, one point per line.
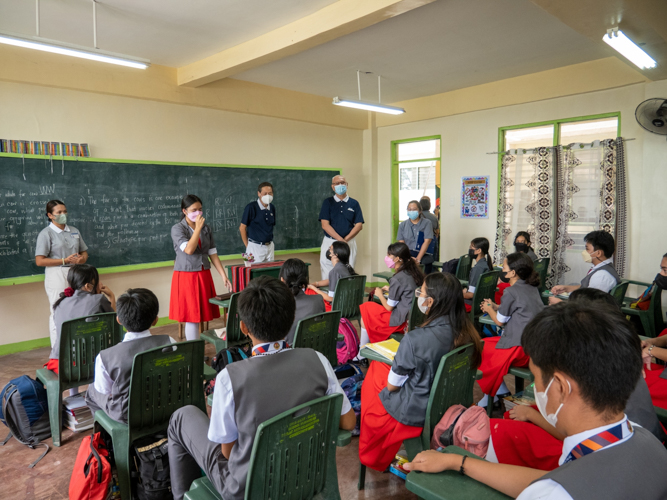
72 50
618 41
368 106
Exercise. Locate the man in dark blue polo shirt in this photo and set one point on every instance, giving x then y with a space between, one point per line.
257 223
341 220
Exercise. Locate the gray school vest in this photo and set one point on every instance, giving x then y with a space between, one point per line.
524 303
607 267
634 469
640 410
264 388
118 363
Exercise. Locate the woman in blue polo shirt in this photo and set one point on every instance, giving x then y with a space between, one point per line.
259 218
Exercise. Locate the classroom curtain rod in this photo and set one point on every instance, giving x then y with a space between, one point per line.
551 147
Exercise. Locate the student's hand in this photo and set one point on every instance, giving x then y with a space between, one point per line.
646 357
522 413
486 306
385 288
554 300
107 291
465 290
416 260
72 259
199 223
434 461
313 288
558 289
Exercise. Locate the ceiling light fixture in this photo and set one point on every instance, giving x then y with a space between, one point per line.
368 106
618 41
66 49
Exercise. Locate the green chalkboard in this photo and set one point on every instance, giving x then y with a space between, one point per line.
125 210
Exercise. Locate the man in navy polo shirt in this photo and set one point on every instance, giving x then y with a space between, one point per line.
341 220
257 223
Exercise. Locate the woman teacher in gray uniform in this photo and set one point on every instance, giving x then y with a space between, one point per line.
59 246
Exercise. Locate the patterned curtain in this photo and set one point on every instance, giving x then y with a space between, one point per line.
527 201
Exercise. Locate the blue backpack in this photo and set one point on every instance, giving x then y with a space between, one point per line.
351 385
25 410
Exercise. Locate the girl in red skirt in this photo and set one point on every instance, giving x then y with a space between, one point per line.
655 374
521 303
394 399
192 284
379 321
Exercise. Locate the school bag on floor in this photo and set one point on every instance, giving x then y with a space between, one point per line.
222 359
25 410
466 428
352 388
91 476
348 348
151 480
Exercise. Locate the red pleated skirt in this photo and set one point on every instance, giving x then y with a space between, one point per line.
499 292
381 434
657 386
376 321
190 292
524 444
327 305
496 363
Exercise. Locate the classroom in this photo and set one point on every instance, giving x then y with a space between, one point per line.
447 214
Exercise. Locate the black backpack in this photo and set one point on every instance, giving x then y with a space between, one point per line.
152 474
25 410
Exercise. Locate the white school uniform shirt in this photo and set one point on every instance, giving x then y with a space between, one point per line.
602 280
222 428
104 382
211 251
548 489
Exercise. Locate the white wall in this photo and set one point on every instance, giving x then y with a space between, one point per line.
135 129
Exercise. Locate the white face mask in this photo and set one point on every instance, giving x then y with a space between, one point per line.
587 257
541 399
267 199
420 303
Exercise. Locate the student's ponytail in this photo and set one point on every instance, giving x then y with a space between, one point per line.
533 279
342 251
524 268
79 276
295 275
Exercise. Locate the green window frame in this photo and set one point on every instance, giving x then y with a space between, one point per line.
395 181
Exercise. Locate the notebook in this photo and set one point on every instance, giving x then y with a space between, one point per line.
386 348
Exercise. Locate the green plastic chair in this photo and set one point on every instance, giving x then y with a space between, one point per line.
319 332
652 319
293 456
81 340
234 335
415 316
163 380
349 295
619 291
463 269
542 268
485 289
453 384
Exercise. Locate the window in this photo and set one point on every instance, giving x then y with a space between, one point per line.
416 173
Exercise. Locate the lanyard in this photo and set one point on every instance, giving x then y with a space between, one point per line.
269 348
599 441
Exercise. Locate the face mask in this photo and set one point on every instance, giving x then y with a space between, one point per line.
267 199
413 214
390 262
587 257
340 189
504 278
193 215
521 247
471 253
661 281
60 219
420 303
542 399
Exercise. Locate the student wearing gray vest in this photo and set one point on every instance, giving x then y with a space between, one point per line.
599 250
137 311
247 393
294 274
586 365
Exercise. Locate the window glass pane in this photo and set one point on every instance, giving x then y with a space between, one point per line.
418 150
416 179
589 131
529 138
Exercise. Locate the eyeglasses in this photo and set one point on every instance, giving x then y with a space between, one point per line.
420 294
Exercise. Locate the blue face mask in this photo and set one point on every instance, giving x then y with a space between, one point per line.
413 214
340 189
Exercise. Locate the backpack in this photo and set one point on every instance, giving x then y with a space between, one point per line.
25 410
348 348
466 428
152 475
450 266
91 476
222 359
352 388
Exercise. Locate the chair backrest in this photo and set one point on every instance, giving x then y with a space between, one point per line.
319 332
349 294
485 289
463 267
163 380
294 453
81 340
541 268
656 308
618 292
233 320
453 384
415 316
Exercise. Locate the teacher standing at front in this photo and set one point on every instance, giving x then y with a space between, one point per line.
59 246
192 284
341 220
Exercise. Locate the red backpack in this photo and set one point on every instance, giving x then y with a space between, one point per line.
466 428
348 348
91 477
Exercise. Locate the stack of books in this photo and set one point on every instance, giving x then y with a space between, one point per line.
396 466
387 348
77 416
518 399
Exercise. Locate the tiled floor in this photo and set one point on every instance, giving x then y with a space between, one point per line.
50 478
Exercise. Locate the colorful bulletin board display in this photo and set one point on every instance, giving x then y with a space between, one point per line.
475 197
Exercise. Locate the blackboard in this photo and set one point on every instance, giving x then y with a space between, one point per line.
125 210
